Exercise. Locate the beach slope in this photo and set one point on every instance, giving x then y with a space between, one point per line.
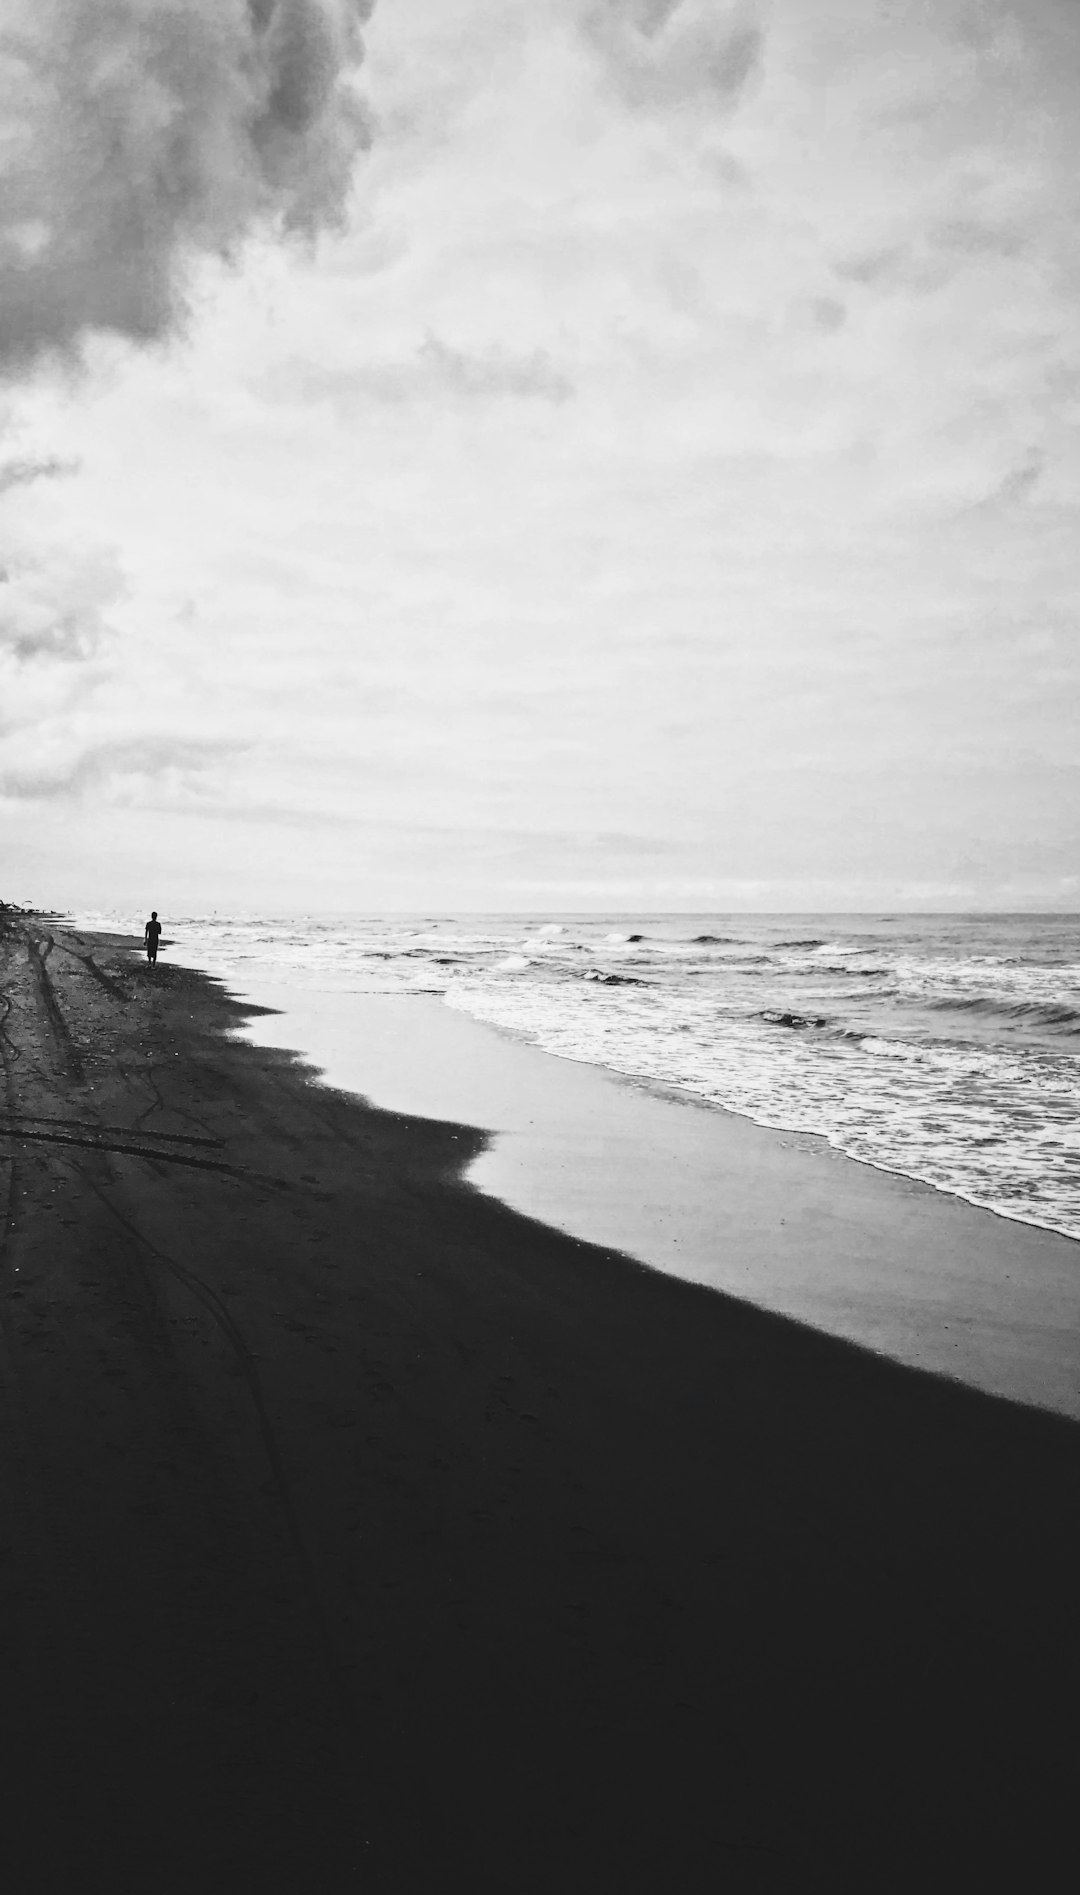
361 1533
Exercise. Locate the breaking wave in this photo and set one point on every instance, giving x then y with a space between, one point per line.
1028 1012
943 1048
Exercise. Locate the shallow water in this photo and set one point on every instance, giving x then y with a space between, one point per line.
946 1048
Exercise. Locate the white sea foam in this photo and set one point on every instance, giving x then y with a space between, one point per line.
944 1049
983 1125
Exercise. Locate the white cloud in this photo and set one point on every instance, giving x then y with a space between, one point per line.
679 445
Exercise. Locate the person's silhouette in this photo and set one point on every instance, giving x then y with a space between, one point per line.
150 936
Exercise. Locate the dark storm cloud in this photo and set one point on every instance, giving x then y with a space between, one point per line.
139 134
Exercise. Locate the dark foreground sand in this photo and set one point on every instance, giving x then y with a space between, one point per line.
358 1533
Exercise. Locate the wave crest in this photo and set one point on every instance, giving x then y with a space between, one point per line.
1053 1013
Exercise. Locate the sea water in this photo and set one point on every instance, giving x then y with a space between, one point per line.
946 1048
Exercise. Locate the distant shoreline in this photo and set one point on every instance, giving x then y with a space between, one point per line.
932 1052
711 1196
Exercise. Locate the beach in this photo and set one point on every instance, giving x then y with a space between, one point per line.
873 1256
364 1532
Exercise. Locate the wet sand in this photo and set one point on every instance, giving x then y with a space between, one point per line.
362 1533
780 1219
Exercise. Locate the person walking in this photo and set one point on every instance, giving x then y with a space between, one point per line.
151 934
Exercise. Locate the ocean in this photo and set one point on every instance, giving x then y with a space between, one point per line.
943 1047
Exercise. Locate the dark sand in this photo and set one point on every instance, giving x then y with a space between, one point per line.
777 1218
358 1533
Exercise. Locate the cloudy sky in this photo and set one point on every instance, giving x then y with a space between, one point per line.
540 453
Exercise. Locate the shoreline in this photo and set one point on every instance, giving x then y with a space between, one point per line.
976 1103
675 1094
712 1196
366 1534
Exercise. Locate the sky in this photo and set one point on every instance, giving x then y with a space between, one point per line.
596 455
